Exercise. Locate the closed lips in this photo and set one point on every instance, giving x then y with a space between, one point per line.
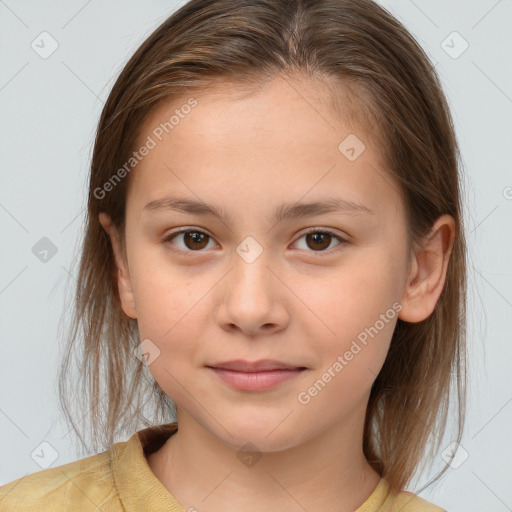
255 366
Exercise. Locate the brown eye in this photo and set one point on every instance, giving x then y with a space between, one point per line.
320 241
195 239
192 240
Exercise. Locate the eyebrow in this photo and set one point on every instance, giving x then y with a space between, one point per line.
285 211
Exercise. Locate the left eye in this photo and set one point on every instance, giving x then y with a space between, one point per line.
318 239
194 240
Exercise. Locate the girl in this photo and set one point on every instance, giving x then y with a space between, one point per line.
272 280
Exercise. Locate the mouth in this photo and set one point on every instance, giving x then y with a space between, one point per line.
262 365
255 376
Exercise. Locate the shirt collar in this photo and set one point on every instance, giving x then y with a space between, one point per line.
139 488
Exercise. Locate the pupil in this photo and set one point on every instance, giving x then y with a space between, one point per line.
318 237
195 238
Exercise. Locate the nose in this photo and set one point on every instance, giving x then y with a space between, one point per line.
252 298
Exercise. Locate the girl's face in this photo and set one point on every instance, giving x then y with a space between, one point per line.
253 283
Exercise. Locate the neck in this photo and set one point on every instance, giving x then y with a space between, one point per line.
327 472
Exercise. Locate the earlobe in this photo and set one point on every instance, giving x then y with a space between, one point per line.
427 274
124 283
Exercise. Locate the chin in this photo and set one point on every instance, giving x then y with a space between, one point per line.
266 434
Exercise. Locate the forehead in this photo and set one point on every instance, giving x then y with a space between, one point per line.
336 105
284 137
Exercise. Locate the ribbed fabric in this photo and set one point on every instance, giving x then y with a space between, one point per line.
120 480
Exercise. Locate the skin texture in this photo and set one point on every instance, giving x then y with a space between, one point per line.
300 301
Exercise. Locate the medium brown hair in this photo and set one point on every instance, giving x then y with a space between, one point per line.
356 47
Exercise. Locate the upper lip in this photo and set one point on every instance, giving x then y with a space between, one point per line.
255 366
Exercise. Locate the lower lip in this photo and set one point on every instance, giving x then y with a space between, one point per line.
255 381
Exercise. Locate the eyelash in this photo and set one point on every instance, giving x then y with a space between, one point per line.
313 230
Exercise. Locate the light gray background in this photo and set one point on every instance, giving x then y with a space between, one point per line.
49 111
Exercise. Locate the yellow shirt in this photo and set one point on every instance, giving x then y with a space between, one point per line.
120 480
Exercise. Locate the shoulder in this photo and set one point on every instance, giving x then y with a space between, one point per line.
407 501
87 484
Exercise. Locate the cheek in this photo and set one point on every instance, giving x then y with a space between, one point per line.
172 308
167 295
352 297
355 311
350 361
171 315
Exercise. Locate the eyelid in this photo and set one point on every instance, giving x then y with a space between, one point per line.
342 240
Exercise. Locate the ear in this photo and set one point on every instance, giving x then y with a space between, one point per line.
428 271
123 274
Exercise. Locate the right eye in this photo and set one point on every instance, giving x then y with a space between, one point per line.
192 241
